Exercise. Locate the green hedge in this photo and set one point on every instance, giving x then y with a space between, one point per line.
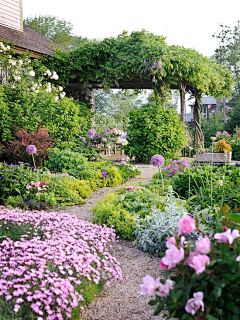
154 130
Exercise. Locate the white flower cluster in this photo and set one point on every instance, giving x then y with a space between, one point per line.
51 75
16 70
3 47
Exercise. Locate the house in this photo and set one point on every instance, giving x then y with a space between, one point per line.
210 105
23 38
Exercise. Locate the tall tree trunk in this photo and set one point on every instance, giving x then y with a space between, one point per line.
224 111
199 138
182 89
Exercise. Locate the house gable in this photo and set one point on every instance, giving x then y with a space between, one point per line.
11 14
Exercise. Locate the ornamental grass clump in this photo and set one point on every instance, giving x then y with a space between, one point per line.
204 275
50 263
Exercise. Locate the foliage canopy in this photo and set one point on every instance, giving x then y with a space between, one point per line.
142 60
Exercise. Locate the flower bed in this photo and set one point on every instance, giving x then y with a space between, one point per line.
49 261
78 178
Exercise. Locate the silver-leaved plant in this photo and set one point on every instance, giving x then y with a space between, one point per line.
151 232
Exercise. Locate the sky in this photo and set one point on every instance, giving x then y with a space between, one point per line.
183 22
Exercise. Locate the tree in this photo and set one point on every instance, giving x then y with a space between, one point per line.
117 104
228 55
234 120
56 30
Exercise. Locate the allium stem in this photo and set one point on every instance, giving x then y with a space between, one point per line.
33 161
223 188
211 174
189 180
160 171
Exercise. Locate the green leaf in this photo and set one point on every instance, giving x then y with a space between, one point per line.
159 308
209 317
235 217
217 292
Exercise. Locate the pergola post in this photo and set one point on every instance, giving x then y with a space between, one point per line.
199 138
182 89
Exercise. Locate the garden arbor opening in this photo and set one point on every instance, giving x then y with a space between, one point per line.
142 60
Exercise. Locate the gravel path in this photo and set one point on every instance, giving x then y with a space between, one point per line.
121 300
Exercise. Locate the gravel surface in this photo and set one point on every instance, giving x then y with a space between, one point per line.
121 300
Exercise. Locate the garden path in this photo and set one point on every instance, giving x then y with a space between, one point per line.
121 300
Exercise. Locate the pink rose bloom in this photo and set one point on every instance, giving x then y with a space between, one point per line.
149 285
170 241
164 289
199 263
227 236
186 225
196 303
173 256
192 254
163 266
203 246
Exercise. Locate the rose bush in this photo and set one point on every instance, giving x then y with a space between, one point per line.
204 275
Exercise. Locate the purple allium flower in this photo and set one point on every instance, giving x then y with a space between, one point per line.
91 133
83 139
100 156
31 149
104 139
157 160
101 145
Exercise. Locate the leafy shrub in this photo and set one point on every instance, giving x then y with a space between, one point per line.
16 150
77 165
60 262
235 149
222 146
235 144
154 130
29 99
120 208
61 160
203 281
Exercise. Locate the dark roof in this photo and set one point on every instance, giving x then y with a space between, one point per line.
28 39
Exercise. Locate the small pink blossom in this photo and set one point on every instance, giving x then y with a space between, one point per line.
186 225
196 303
227 236
203 246
149 285
163 266
170 241
238 259
164 289
173 256
199 263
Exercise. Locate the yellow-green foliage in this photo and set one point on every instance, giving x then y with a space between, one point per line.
114 176
108 211
222 145
68 189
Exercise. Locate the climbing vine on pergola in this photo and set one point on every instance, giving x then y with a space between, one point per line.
142 60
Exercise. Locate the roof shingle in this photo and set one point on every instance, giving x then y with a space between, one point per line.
28 39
